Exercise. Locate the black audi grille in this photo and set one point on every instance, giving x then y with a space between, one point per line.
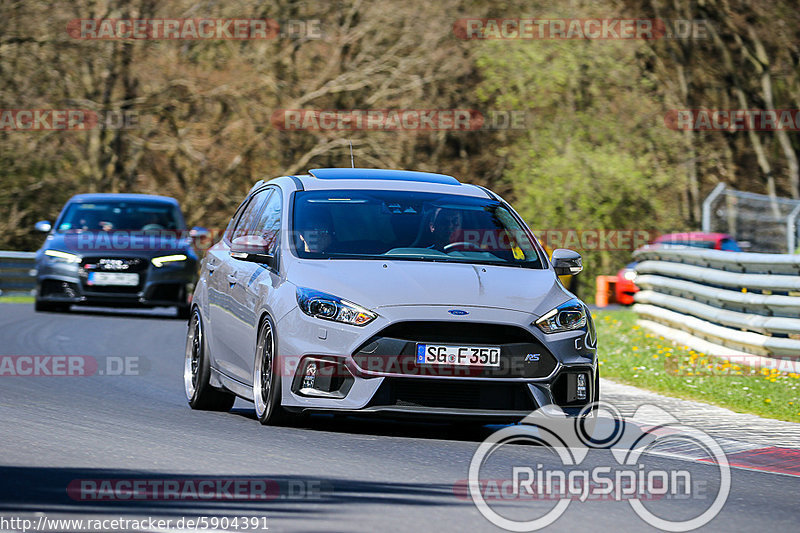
126 265
489 396
394 350
115 264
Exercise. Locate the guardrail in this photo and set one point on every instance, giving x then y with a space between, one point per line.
742 301
17 272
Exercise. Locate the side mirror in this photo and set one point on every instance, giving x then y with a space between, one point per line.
199 233
253 248
43 225
566 262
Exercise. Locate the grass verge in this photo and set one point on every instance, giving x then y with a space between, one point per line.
16 299
630 354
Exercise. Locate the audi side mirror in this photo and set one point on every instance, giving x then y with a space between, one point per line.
43 225
198 232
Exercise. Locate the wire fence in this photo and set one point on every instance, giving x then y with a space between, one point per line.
765 223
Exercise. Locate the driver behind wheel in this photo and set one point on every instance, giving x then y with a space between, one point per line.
316 232
445 228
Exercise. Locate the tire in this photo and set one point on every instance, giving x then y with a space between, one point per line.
197 372
266 378
49 307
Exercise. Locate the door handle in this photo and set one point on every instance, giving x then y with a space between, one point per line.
232 278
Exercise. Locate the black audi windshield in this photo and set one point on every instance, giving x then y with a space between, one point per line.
120 215
409 225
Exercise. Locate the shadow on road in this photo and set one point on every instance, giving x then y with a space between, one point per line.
383 426
71 490
421 429
158 313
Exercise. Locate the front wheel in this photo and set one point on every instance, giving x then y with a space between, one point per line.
197 372
266 378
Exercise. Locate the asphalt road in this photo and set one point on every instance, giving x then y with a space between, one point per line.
327 474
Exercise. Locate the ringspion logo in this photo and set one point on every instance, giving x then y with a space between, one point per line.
572 478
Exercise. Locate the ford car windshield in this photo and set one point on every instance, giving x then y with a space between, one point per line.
366 224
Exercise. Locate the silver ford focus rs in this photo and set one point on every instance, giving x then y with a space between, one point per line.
366 291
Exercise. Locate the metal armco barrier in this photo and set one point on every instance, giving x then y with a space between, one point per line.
17 272
744 301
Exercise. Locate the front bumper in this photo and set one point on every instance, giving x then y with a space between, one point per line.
624 291
371 370
169 285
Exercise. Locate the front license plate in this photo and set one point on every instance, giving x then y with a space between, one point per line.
445 354
113 278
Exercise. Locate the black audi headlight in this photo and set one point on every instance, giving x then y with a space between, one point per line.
570 315
58 256
329 307
168 259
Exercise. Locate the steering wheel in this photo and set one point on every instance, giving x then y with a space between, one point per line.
461 243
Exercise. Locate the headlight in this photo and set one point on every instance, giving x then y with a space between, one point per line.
159 261
566 317
328 307
630 275
62 257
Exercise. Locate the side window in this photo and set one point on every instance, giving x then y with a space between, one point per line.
248 223
269 225
228 235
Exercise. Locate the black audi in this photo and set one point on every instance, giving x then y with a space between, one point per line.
120 250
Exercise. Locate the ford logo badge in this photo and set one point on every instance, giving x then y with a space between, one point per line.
458 312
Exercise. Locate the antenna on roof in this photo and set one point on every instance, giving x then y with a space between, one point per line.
352 162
